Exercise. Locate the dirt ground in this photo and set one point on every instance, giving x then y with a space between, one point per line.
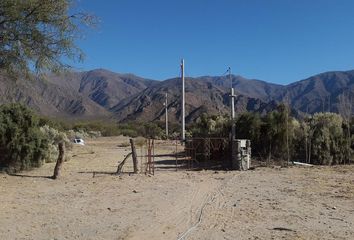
265 203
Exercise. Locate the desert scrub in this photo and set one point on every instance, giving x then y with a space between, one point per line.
140 141
22 144
123 144
77 134
54 137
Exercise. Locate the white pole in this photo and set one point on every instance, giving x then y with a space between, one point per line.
233 130
166 116
232 104
183 109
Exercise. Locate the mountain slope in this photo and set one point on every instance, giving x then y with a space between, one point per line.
250 87
73 94
49 99
319 93
202 96
125 97
104 87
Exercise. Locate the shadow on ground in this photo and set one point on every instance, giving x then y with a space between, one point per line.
29 176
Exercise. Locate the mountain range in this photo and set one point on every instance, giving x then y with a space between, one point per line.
102 94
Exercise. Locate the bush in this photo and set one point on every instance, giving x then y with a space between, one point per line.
54 137
108 128
55 123
129 133
328 141
151 130
96 129
212 126
22 144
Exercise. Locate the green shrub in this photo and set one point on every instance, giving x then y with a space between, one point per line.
55 123
151 130
107 128
328 141
22 144
96 129
129 132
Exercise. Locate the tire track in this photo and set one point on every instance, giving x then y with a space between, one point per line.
211 198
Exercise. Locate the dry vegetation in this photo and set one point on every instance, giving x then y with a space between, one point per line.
266 203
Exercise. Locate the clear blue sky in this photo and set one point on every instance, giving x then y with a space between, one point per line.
278 41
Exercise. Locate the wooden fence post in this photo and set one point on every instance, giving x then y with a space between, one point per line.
134 156
120 166
60 161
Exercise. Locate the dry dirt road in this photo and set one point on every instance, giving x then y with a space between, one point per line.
266 203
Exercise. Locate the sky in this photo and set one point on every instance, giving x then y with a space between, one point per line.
279 41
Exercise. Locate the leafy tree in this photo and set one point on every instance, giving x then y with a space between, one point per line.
301 141
328 140
248 126
38 34
152 130
282 128
268 133
345 109
272 135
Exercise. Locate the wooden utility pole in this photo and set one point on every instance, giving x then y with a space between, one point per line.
60 161
166 115
183 103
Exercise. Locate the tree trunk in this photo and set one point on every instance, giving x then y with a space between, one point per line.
306 154
270 152
348 143
310 149
60 161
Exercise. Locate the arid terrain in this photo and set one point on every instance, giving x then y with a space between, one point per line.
88 202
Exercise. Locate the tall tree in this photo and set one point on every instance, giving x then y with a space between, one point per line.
248 126
268 134
38 34
345 109
327 139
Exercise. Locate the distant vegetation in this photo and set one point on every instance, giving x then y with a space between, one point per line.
323 138
106 129
27 140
